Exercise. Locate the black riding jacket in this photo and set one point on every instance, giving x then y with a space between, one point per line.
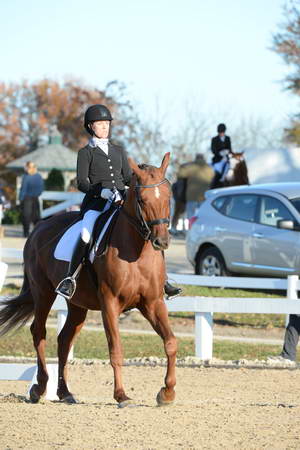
217 145
96 170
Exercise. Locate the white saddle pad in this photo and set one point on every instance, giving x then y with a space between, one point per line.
65 246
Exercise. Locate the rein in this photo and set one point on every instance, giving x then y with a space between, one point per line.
140 224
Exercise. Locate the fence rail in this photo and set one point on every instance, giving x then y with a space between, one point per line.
65 199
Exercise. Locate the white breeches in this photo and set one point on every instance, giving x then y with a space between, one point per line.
88 223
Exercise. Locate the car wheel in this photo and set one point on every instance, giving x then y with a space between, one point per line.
211 263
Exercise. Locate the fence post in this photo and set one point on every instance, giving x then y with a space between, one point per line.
292 291
203 335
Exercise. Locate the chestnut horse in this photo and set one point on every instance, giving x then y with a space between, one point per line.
236 175
131 274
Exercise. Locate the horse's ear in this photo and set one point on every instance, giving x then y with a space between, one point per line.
165 162
133 165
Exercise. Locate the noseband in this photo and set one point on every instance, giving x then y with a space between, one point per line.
141 225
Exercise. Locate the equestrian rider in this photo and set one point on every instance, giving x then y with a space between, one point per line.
102 174
221 148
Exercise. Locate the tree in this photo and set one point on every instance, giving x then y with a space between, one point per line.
286 43
27 111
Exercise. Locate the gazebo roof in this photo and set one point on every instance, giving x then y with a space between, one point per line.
48 157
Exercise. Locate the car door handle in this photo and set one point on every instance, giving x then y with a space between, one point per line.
258 235
220 229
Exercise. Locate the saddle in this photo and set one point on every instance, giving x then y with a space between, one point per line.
102 232
100 239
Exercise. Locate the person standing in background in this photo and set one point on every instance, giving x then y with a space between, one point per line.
198 175
31 188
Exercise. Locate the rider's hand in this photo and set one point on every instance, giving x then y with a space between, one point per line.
224 152
117 197
106 193
112 195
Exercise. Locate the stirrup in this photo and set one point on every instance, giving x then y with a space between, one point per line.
66 291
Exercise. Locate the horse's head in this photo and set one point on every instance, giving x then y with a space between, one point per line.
150 193
237 172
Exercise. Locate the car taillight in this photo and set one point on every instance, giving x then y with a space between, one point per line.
192 220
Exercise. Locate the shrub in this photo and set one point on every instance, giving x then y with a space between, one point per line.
55 181
12 216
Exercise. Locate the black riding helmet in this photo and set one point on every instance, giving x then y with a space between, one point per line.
96 112
221 128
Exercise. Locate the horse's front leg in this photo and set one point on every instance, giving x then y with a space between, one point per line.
157 314
110 316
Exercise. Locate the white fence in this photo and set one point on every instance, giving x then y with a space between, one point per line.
204 307
65 199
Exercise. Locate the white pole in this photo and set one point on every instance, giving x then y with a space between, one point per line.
204 335
292 291
3 269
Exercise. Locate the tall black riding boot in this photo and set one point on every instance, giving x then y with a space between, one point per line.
67 286
171 291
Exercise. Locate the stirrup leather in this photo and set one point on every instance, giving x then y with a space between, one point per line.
66 288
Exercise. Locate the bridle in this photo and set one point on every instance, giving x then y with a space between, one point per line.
139 223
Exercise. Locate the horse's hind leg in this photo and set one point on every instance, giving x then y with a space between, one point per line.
43 303
157 314
75 320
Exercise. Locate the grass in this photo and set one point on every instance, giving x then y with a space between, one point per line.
92 344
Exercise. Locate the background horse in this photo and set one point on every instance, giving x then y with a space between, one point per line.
131 274
236 175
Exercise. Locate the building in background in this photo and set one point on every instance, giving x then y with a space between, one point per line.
54 155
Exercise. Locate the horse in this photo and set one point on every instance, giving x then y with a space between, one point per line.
131 274
236 173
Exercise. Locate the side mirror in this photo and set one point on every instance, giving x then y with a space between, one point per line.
288 225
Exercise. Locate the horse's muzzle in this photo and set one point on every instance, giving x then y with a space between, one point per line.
160 242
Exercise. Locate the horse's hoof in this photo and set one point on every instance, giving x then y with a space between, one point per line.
34 395
125 403
162 400
69 399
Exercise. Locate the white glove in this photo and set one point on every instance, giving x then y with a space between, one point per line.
113 196
224 152
106 193
117 197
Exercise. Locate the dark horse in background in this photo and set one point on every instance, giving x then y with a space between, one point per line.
131 274
236 175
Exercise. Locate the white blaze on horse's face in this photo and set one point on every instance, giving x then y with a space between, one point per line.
157 193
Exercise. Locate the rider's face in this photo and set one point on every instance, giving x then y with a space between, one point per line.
222 134
101 128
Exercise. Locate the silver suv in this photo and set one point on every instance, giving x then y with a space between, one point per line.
249 230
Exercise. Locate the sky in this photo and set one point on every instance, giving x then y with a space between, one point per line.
213 55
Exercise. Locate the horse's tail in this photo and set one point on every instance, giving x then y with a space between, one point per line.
16 311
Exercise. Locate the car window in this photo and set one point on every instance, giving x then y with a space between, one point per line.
271 210
241 207
296 203
219 202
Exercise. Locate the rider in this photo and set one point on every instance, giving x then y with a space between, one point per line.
221 148
102 173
